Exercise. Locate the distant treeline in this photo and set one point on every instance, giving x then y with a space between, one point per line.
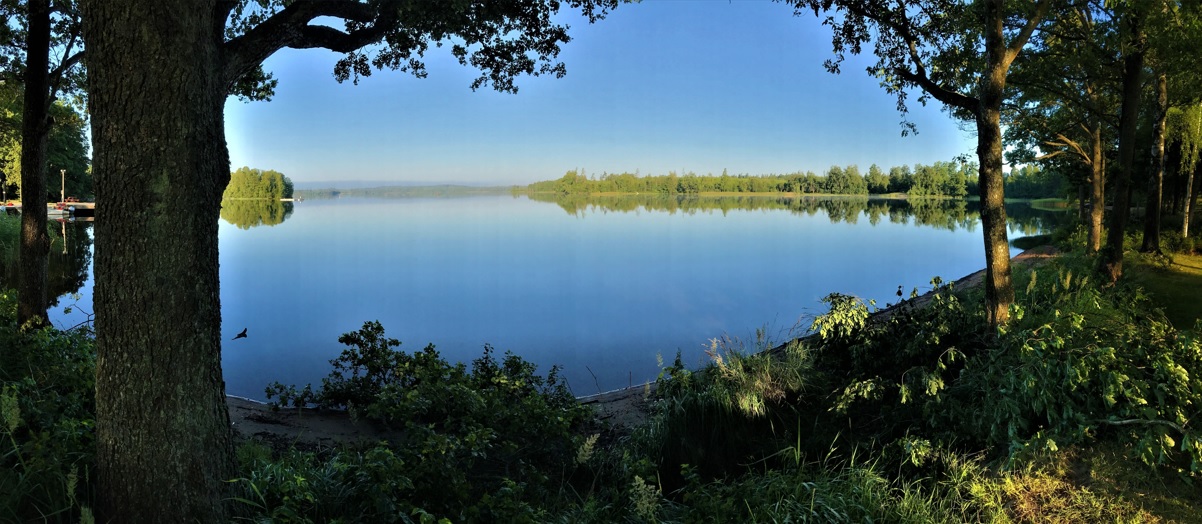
949 214
402 192
941 179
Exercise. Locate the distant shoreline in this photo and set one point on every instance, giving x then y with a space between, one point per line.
452 190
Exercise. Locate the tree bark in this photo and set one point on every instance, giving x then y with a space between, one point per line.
1111 261
1151 243
35 126
999 290
1191 194
1097 184
160 160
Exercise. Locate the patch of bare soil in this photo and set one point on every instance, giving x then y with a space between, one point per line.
303 428
618 411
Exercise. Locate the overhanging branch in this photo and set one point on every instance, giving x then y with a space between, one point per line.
290 28
918 76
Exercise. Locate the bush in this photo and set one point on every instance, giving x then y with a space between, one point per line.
477 445
1173 242
1080 362
734 412
1077 361
47 417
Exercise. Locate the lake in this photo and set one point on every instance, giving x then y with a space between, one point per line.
603 287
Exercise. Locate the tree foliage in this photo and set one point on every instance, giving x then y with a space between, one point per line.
471 436
66 148
246 182
941 179
253 198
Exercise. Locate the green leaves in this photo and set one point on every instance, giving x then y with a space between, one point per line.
253 198
468 437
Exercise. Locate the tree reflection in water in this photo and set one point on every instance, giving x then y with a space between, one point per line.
942 213
70 254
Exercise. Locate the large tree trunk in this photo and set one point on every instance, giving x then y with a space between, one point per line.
1111 262
1097 184
1151 242
162 433
35 126
999 290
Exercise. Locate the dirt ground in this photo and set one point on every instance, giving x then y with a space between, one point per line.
619 411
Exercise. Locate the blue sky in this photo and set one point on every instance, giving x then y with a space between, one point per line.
683 85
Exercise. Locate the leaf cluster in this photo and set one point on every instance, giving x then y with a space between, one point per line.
47 419
501 39
1079 362
467 437
1084 362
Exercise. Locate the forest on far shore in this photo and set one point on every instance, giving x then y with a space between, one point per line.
941 179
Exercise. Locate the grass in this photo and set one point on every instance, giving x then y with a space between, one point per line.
1105 470
1051 204
1174 288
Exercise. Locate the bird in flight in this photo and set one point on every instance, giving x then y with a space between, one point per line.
240 335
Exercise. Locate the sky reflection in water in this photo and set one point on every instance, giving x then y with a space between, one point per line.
600 292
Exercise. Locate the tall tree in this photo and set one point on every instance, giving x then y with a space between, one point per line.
47 28
35 125
1064 102
1184 127
1174 35
931 45
161 163
1134 47
1151 242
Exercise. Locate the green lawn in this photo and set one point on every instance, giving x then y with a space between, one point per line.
1175 289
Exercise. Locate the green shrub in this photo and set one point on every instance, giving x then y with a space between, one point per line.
478 444
1080 361
732 413
371 485
890 376
1077 361
47 406
1173 242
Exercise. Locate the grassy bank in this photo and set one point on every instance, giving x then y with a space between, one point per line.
1174 287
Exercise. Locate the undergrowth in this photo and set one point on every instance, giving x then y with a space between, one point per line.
483 444
47 448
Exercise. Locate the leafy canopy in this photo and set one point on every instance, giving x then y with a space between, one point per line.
503 39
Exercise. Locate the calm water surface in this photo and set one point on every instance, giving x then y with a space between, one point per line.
596 290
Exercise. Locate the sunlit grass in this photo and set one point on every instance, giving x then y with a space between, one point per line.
1051 204
1175 288
1107 470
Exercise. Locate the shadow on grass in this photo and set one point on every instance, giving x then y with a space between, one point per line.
1175 289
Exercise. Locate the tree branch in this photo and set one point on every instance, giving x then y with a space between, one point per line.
947 96
919 76
290 28
1145 422
1024 35
1051 155
1073 144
